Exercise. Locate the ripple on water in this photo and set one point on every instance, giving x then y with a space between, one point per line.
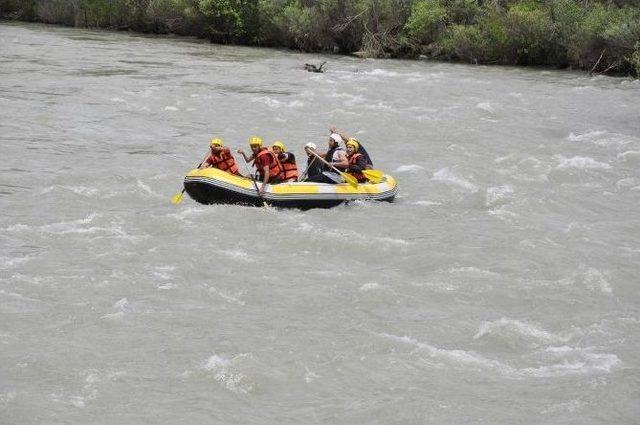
229 372
445 175
580 163
549 362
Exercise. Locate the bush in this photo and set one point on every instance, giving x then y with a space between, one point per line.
381 22
223 19
493 27
463 11
298 25
465 42
530 31
607 34
18 9
427 21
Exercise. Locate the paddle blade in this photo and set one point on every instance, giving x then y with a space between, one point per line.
353 182
177 198
374 176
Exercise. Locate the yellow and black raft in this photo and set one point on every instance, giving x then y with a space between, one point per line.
214 186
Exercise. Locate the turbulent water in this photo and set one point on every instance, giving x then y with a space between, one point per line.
501 287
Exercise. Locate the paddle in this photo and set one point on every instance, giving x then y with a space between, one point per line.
246 167
177 198
347 177
374 176
304 175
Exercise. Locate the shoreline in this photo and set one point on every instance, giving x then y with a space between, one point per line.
355 54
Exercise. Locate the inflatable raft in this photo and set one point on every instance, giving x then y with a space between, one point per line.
213 186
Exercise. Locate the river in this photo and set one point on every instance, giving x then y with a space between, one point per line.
501 287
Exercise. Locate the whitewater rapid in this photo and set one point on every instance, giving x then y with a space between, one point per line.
500 287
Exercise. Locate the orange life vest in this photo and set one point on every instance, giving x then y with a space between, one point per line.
289 169
357 174
224 162
274 169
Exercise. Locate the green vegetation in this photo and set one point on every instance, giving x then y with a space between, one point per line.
596 35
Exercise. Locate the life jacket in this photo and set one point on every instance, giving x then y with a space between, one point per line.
329 157
357 174
224 162
274 169
289 168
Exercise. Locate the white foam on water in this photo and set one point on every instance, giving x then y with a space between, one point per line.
603 138
237 254
629 157
498 194
77 227
383 241
580 162
485 106
10 262
502 213
506 326
504 158
122 306
409 168
310 375
170 108
379 105
82 190
447 176
382 73
189 211
571 406
16 228
453 356
75 401
118 100
347 98
372 286
227 297
427 203
575 227
18 296
148 190
573 361
275 103
628 182
596 281
7 397
162 275
473 271
224 372
563 360
587 136
389 241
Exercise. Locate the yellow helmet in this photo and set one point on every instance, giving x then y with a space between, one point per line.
255 140
278 144
353 142
216 142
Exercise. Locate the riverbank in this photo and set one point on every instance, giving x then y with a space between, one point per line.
599 37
